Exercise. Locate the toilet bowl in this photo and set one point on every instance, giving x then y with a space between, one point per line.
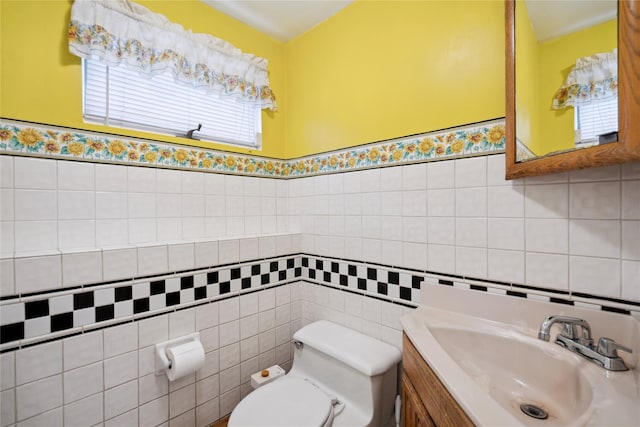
339 377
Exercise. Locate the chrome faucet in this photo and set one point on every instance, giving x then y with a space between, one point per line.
576 337
569 328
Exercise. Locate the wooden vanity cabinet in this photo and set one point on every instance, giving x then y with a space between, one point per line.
425 400
414 414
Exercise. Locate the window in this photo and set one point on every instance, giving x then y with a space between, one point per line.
596 118
122 97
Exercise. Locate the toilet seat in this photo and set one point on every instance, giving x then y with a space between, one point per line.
289 401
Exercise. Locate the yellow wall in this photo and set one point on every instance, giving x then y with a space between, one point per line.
41 81
384 69
376 70
527 61
557 58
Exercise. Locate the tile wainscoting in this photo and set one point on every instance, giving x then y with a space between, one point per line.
91 359
30 319
107 375
575 232
99 261
103 371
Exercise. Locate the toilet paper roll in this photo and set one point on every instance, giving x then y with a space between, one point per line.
185 359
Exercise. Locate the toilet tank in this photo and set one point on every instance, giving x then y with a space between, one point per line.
361 371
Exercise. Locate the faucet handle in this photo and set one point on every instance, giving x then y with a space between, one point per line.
570 331
578 333
608 347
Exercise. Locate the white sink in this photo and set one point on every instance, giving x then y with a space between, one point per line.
487 354
514 370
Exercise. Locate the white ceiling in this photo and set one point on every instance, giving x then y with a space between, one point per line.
554 18
283 19
287 19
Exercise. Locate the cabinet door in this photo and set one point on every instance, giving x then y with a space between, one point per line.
434 396
414 414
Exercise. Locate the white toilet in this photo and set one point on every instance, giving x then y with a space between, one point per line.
339 377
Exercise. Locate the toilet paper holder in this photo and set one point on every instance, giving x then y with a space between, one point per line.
162 362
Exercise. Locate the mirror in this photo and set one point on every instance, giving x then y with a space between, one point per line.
566 75
542 139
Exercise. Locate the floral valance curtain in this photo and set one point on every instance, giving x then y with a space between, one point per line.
592 79
122 32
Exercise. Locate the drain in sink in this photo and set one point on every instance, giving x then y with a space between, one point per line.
534 411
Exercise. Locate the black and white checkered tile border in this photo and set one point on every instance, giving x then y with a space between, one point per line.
391 284
61 313
403 285
27 319
541 294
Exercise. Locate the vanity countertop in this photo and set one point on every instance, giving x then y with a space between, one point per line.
485 350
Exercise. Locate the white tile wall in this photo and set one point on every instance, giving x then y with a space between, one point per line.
631 279
119 264
461 216
7 407
547 235
107 376
82 350
120 399
82 382
50 205
379 319
546 200
506 266
35 173
82 268
38 396
120 369
576 231
88 411
630 197
37 273
38 362
32 205
7 204
29 236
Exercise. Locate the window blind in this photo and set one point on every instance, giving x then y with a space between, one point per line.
117 96
597 118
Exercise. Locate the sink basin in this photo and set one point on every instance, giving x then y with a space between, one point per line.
484 348
517 370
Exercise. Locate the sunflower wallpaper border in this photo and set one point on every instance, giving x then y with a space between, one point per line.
71 144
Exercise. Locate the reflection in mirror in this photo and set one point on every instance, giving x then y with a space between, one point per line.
566 75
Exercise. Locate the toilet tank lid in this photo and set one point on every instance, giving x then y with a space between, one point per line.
368 355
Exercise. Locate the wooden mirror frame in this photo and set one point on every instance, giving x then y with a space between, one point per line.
627 149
